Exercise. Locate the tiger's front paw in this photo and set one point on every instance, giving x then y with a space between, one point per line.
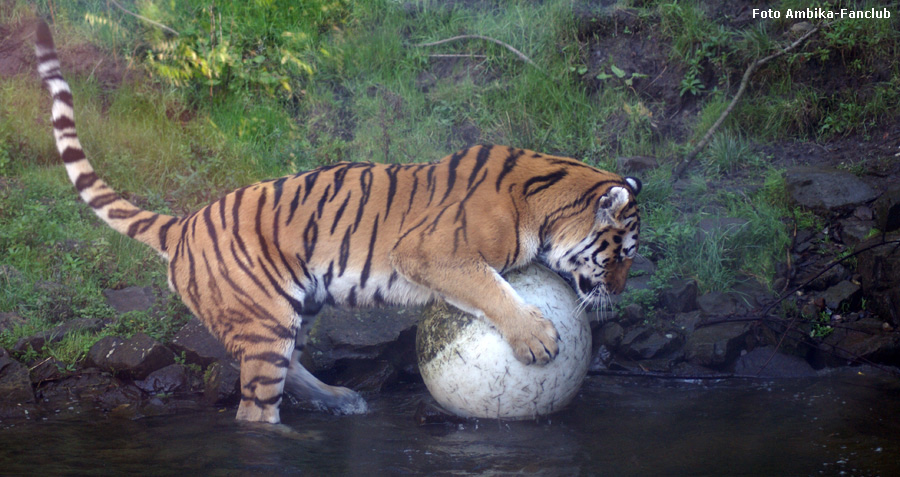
534 339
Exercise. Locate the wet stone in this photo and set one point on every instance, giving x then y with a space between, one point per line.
716 345
357 334
15 383
687 322
829 278
221 382
136 357
766 362
844 293
610 335
867 339
887 209
653 345
879 270
366 376
197 344
169 379
717 303
680 297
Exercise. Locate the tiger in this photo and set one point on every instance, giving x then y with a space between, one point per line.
257 265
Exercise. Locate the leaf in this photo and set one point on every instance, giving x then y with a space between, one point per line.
617 71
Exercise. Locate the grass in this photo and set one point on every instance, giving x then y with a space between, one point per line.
247 93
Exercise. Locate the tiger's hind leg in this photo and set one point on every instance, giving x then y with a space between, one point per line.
262 382
303 385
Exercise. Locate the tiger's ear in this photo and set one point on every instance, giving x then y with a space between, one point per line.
611 204
635 185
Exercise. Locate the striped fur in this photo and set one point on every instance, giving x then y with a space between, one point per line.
258 264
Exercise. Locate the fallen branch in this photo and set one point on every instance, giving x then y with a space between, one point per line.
679 170
482 37
120 7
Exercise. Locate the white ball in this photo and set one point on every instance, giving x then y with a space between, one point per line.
471 371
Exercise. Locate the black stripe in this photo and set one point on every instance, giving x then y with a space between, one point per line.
85 180
344 253
391 172
63 122
163 233
120 214
340 212
277 186
365 184
310 237
236 227
103 200
451 173
508 165
543 182
270 357
64 96
72 154
480 159
368 265
141 226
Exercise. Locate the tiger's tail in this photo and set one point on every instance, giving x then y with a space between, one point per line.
148 227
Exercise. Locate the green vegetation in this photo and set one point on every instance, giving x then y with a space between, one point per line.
252 90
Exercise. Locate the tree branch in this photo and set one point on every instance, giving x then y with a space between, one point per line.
679 170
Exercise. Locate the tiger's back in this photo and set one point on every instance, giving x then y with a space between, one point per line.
258 264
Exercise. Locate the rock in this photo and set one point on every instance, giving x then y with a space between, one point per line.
136 357
831 277
15 384
879 270
866 339
827 189
717 304
9 321
130 299
717 345
766 362
687 322
118 396
636 164
86 385
651 345
845 292
357 334
55 335
610 335
853 231
632 314
169 379
49 369
887 210
680 297
366 376
222 382
197 344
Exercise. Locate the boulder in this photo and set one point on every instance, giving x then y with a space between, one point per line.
221 382
651 345
827 189
879 270
717 304
15 384
844 293
357 334
867 338
197 344
887 210
169 379
680 296
766 362
136 357
717 345
130 299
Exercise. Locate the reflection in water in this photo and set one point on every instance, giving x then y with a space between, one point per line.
614 427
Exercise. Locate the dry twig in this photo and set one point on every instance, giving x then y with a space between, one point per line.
482 37
120 7
744 82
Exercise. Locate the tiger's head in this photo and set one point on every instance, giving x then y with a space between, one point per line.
597 260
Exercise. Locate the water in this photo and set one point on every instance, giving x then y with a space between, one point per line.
616 426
